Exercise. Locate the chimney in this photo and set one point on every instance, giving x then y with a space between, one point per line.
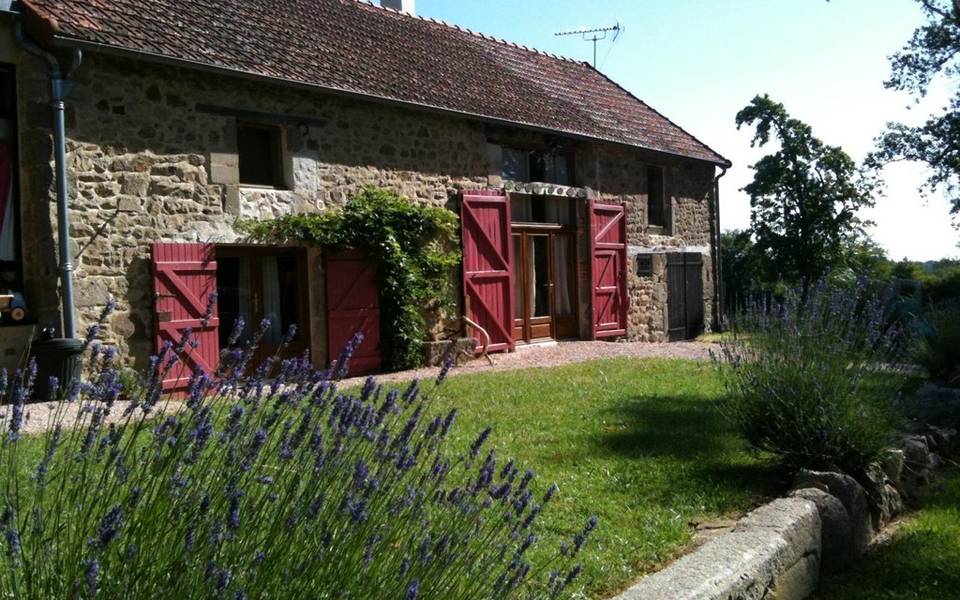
405 6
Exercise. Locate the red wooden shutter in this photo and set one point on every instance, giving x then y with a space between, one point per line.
487 261
184 276
608 252
353 305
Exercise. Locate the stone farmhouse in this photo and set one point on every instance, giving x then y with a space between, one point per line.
586 213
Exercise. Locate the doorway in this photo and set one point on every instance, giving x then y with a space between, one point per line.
685 314
544 268
256 283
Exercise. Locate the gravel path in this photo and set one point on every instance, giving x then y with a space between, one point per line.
561 353
38 416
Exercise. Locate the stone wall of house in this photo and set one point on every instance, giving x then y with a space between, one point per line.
619 176
153 157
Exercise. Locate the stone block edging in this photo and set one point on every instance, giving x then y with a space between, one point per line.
779 550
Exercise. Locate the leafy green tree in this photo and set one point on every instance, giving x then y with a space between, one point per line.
934 50
740 274
804 197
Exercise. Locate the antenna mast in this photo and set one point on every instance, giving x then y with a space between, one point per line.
595 35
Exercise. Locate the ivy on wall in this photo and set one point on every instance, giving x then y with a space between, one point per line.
415 248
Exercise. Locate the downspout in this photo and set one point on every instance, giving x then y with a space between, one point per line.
718 296
60 85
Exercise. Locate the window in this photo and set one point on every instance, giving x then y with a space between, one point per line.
656 209
556 210
260 152
549 168
645 265
527 165
516 165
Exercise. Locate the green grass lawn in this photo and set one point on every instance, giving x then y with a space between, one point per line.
920 562
636 442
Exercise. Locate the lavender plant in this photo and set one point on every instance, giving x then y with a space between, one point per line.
814 381
249 487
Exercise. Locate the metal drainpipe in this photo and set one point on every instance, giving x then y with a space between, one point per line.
59 87
717 266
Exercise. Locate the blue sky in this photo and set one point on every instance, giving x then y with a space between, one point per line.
700 61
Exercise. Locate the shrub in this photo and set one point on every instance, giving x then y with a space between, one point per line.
257 488
938 349
812 381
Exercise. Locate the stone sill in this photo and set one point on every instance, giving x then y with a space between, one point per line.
249 187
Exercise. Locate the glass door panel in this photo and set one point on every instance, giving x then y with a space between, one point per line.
257 284
539 277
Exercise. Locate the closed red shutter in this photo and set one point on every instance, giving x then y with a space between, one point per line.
184 277
608 253
487 260
353 306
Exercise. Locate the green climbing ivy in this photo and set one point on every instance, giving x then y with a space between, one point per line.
414 246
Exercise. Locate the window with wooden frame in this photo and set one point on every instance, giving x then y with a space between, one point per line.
656 198
260 154
536 165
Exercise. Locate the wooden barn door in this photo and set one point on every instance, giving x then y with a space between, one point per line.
608 263
487 261
184 277
685 312
353 306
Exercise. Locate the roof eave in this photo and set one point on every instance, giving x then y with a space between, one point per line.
60 40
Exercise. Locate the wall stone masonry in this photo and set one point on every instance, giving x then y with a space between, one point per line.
152 156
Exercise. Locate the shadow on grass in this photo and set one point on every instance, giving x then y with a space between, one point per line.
910 567
709 459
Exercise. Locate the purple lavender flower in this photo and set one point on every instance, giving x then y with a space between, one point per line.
551 491
477 443
109 529
223 579
413 590
233 516
210 309
444 370
13 541
574 572
91 575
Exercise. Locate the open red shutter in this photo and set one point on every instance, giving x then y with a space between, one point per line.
353 306
487 261
608 253
184 276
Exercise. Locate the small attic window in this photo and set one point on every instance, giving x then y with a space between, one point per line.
534 165
656 198
260 154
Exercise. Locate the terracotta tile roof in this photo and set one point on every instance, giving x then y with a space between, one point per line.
355 47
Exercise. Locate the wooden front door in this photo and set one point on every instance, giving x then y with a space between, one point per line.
544 274
685 312
256 283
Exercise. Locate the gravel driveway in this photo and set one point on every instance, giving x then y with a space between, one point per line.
38 416
560 354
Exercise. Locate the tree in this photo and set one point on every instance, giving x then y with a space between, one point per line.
933 50
804 197
740 274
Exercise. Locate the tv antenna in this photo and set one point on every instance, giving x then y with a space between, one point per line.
595 35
